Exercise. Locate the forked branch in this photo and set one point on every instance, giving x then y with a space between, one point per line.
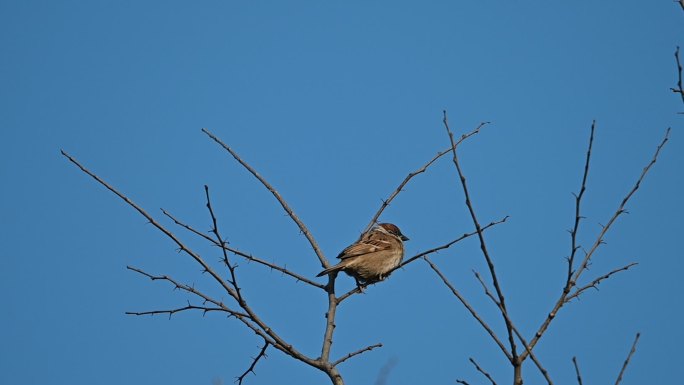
242 254
410 176
279 198
483 244
599 240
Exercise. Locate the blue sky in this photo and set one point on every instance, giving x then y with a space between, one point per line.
334 103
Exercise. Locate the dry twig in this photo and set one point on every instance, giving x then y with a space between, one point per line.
629 357
483 247
248 257
599 240
262 353
577 371
479 369
386 202
356 353
279 198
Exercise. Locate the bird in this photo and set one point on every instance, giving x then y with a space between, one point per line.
373 257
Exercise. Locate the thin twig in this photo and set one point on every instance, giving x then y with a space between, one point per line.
244 255
534 358
187 288
679 89
386 202
177 310
262 353
578 201
594 284
156 224
599 240
483 244
356 353
258 326
279 198
449 244
629 357
222 244
469 307
462 382
577 371
479 369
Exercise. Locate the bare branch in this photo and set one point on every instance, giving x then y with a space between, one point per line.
462 382
679 89
356 353
189 289
483 244
258 326
470 308
171 312
281 200
534 358
449 244
222 243
594 284
386 202
577 371
410 176
156 224
599 240
629 357
244 255
578 201
479 369
262 353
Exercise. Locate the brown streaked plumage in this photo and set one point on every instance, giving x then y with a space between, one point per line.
373 257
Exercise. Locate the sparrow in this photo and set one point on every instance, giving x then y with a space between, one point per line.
373 257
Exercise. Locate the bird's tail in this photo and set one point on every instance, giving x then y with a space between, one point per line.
329 270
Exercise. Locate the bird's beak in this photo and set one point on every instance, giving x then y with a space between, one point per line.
404 238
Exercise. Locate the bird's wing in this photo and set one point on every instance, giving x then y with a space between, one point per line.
364 247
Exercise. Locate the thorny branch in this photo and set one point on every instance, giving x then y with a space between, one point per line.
679 89
322 362
386 202
250 318
262 353
599 240
222 244
578 202
629 357
594 284
244 255
279 198
171 312
449 244
483 247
